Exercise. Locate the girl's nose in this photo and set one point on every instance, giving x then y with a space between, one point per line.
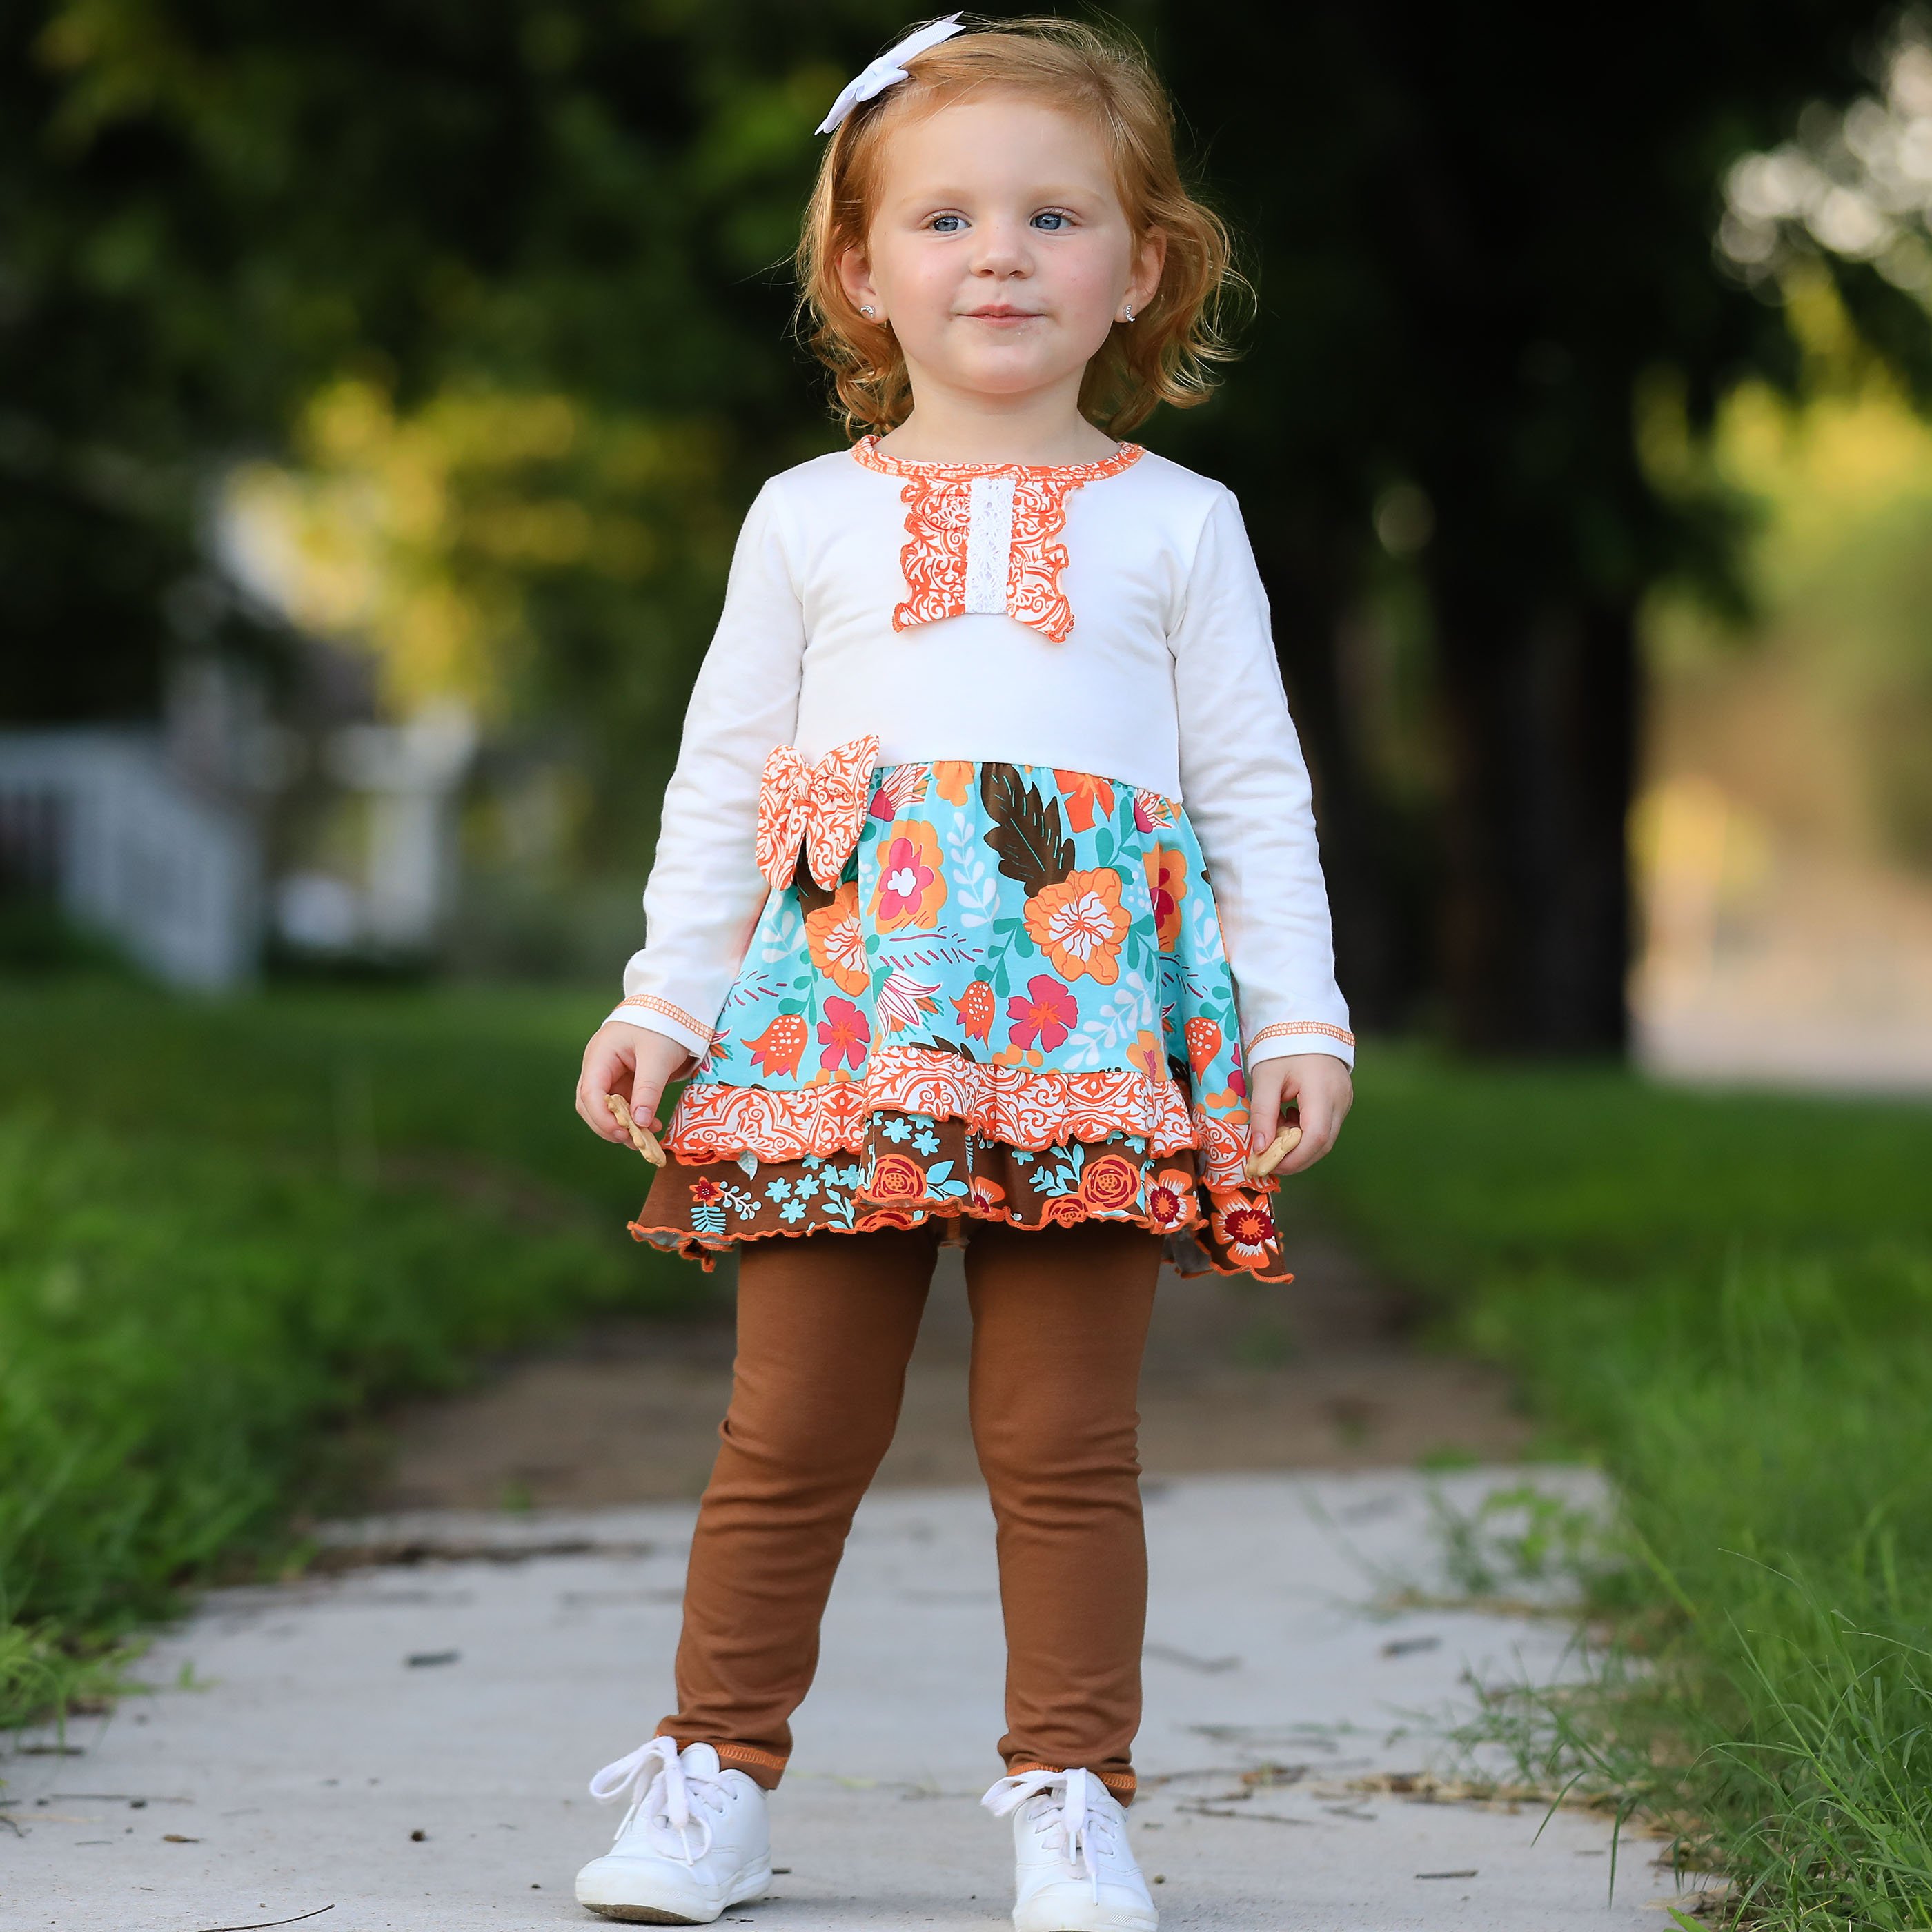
1002 251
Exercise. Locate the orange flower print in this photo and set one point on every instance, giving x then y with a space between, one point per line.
911 887
1203 1042
1110 1184
1247 1229
1079 924
987 1195
704 1190
780 1047
843 1035
1063 1210
837 941
975 1008
896 1176
952 778
904 1001
1087 798
1148 1056
1047 1014
1167 886
1170 1199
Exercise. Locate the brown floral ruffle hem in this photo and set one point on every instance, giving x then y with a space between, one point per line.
909 1168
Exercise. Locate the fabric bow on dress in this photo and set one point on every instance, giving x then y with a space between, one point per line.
820 807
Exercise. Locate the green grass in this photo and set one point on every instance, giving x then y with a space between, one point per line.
227 1230
1727 1299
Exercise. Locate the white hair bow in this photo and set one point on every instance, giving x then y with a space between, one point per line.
886 70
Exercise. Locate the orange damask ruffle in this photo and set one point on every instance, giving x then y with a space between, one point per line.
998 1102
938 500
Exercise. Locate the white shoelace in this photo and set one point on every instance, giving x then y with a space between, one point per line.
1085 1831
654 1778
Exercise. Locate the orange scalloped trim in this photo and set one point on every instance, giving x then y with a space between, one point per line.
685 1242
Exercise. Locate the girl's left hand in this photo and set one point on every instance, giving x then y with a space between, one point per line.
1317 1085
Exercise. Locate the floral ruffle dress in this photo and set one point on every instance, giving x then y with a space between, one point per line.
976 990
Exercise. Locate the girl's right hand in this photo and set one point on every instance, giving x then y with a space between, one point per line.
633 1063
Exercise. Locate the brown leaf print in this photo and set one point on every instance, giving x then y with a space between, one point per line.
1026 833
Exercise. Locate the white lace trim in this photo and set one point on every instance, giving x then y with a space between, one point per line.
989 544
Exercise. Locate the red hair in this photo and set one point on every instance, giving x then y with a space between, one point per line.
1164 355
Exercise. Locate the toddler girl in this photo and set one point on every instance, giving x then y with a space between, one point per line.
988 802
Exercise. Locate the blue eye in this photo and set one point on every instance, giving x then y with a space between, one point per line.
1054 215
938 219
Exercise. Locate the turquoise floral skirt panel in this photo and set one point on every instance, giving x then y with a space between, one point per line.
1012 1005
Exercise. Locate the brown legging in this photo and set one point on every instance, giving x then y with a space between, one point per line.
826 1323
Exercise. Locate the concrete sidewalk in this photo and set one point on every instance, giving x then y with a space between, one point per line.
409 1746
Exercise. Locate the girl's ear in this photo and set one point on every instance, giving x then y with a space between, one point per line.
855 278
1150 259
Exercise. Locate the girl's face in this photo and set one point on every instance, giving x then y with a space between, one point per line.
998 249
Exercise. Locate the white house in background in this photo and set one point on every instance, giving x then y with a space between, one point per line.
153 837
408 776
404 779
98 816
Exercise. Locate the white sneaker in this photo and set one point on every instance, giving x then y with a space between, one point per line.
695 1840
1073 1870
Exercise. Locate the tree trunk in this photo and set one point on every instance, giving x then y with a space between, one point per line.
1377 961
1542 710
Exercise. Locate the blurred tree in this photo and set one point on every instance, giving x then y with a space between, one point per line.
1483 242
219 214
1480 250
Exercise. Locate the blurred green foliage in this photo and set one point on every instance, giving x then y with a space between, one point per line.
217 217
1844 575
1474 250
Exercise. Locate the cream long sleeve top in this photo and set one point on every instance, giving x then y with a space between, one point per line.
1105 618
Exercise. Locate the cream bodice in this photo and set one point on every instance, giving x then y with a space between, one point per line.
1104 617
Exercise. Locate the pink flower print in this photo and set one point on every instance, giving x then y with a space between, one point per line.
912 886
845 1036
1045 1017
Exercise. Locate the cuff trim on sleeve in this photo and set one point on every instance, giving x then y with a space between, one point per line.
1282 1029
651 1004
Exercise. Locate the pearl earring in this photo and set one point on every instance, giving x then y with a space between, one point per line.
1128 315
866 308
